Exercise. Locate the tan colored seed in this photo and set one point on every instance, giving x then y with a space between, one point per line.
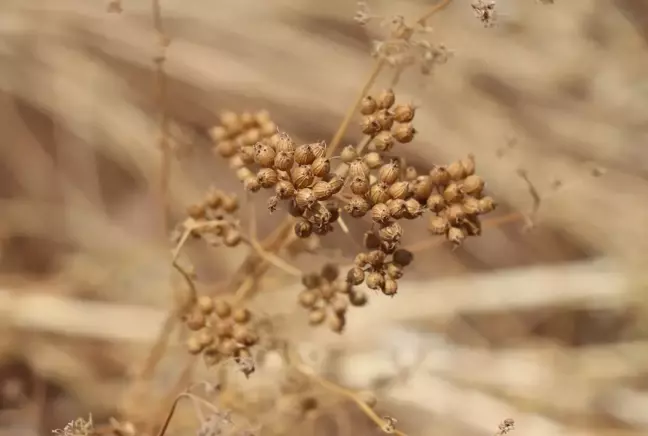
391 233
302 176
471 205
248 120
394 270
438 225
439 176
222 308
321 167
355 276
358 298
360 259
244 173
385 119
390 288
303 228
414 208
206 304
452 193
358 168
389 172
486 204
386 99
285 189
284 160
268 129
375 280
336 183
226 148
232 238
422 188
368 105
230 203
370 125
359 185
267 177
304 155
397 208
195 320
322 190
469 164
380 213
455 213
316 317
349 154
399 190
436 203
218 133
196 211
241 315
205 337
305 198
282 142
373 160
336 323
473 185
383 141
404 133
456 171
318 149
357 206
247 154
250 137
193 345
378 193
456 235
404 113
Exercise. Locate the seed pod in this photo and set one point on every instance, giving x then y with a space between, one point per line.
438 225
244 173
229 118
262 116
390 288
359 185
368 105
267 129
349 154
250 137
471 205
241 315
378 193
468 164
318 149
397 208
414 208
193 345
452 193
330 272
302 176
316 316
248 120
487 204
195 320
373 160
222 308
226 148
383 141
295 210
206 304
371 241
389 172
283 160
439 176
399 190
380 213
404 113
321 167
385 119
404 133
394 270
230 203
236 162
339 306
247 154
307 298
455 213
267 177
336 184
456 235
232 238
282 142
196 211
386 99
322 190
473 185
422 188
305 198
285 189
357 206
370 125
360 260
326 291
304 155
218 134
303 228
435 203
375 280
205 337
357 298
227 347
456 171
358 168
410 173
391 233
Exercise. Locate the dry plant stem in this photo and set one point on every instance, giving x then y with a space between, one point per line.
433 10
161 89
175 396
350 395
335 142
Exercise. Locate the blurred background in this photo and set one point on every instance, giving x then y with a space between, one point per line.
546 326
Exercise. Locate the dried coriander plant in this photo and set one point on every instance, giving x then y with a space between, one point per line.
317 186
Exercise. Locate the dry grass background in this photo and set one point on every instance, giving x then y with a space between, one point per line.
546 327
